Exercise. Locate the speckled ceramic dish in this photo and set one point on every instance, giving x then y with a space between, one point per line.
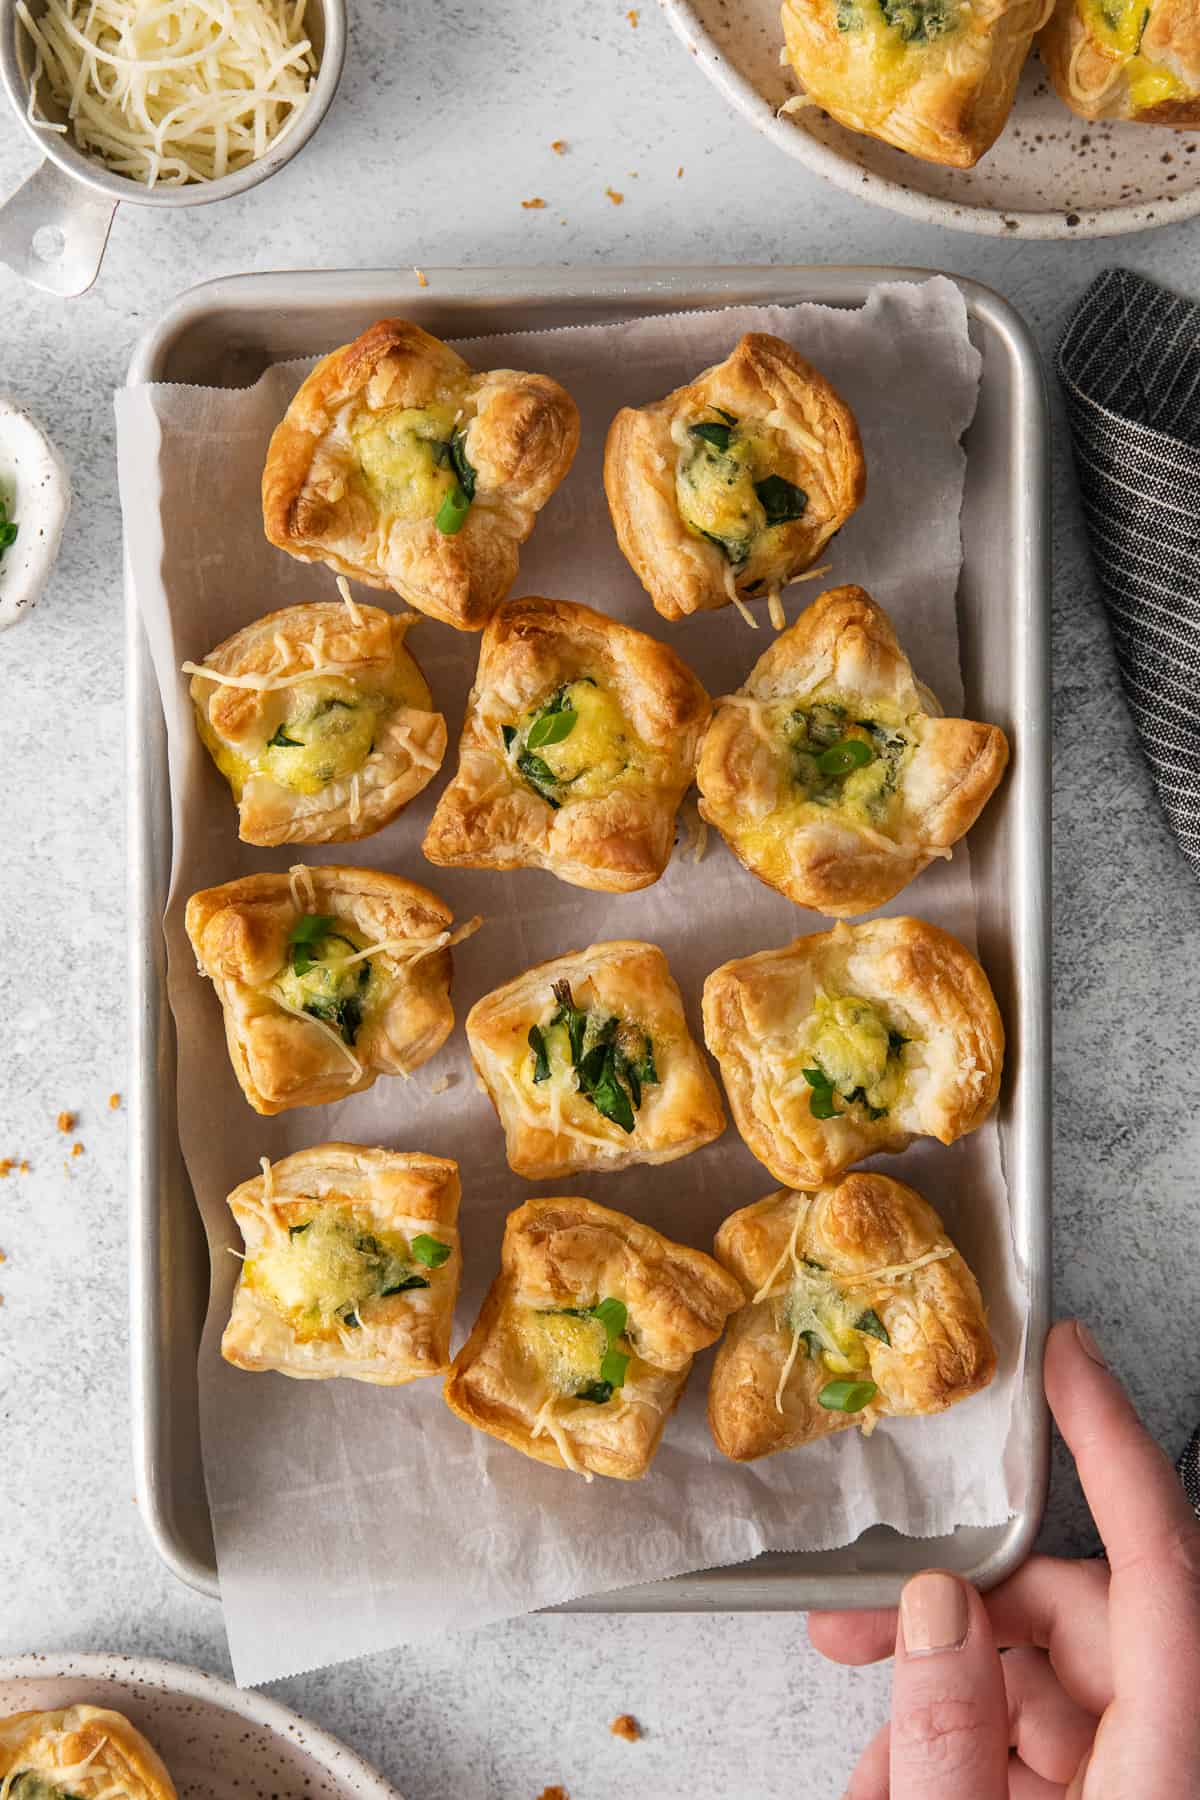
1050 175
218 1741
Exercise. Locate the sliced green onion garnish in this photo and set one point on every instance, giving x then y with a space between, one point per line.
613 1367
452 513
845 755
429 1251
847 1396
614 1316
821 1100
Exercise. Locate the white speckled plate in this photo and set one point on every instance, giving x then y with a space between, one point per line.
218 1741
1049 175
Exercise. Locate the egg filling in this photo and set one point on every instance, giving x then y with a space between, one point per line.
577 745
1119 26
852 1056
413 462
325 975
580 1353
329 1266
726 486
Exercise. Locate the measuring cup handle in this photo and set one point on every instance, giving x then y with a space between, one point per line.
53 231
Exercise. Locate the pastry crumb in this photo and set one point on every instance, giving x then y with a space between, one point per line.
3 1258
441 1084
559 146
114 1100
7 1165
633 16
76 1149
422 278
616 198
679 173
554 1793
66 1121
534 205
626 1726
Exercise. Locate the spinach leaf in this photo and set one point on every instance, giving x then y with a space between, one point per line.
281 741
873 1325
8 530
404 1284
568 1014
541 1059
540 776
467 476
896 1042
920 21
344 1015
598 1392
716 435
311 926
509 734
858 1097
849 16
605 1073
781 500
813 1344
294 1231
351 1320
608 1096
736 550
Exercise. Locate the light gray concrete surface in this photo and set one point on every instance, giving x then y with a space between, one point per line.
442 128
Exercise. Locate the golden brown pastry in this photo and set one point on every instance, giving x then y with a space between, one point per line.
320 721
585 1341
352 1265
859 1307
853 1041
1126 59
398 464
579 743
79 1753
328 978
731 486
827 773
934 77
589 1063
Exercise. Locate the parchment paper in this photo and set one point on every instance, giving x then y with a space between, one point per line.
350 1518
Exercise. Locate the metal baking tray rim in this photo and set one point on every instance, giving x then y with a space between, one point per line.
179 1528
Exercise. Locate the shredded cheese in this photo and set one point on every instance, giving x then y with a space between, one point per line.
731 590
775 610
797 103
355 798
403 734
352 606
265 684
413 949
176 92
300 883
546 1424
334 1037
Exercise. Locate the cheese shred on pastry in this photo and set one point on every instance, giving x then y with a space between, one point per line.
351 1265
579 743
320 720
854 1041
79 1753
730 487
858 1307
328 977
398 464
828 774
585 1342
936 78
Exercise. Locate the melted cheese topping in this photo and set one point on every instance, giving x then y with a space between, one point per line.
173 92
402 458
848 1040
328 1267
62 1781
1118 26
714 491
602 751
566 1350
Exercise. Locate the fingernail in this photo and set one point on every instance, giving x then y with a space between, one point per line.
933 1614
1088 1344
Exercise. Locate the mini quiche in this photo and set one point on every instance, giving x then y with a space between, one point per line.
398 464
579 743
328 977
586 1339
352 1266
934 77
79 1753
320 721
728 488
854 1041
1126 59
858 1308
590 1065
828 775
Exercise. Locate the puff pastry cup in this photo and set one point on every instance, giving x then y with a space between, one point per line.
79 1753
328 977
352 1265
584 1343
934 77
729 487
1126 59
579 743
590 1065
854 1041
827 773
398 464
858 1308
320 721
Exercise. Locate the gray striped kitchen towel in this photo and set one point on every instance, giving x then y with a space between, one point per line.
1130 367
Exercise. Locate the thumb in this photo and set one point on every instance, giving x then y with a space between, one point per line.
949 1711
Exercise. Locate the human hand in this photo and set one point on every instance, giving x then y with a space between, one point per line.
1098 1694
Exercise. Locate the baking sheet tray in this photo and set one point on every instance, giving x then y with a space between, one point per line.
223 334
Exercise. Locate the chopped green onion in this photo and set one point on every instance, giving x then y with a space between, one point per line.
452 513
613 1367
873 1325
821 1100
430 1252
551 728
462 468
842 757
847 1396
614 1316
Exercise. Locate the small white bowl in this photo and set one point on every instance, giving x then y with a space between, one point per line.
37 493
218 1741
